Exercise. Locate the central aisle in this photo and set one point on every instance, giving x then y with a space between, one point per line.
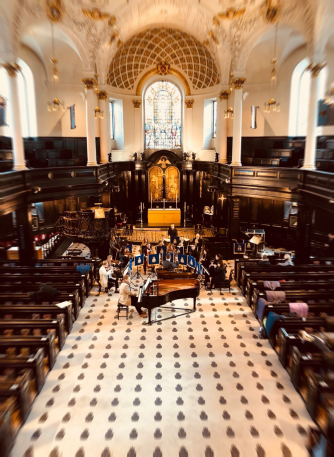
201 385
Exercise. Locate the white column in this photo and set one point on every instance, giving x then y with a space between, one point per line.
90 121
189 124
103 105
237 123
138 125
222 126
18 148
310 145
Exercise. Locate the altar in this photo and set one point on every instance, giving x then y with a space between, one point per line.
164 217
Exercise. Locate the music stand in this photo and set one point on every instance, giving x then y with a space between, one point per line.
139 260
127 271
191 261
153 260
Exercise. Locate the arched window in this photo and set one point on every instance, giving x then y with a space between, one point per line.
299 99
27 101
163 115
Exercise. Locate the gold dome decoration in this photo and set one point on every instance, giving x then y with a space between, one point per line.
231 13
54 10
95 14
151 47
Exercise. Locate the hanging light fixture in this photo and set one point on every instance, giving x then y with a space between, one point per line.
272 104
229 114
98 113
54 76
329 96
56 105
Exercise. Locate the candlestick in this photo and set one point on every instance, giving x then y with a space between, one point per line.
151 201
176 200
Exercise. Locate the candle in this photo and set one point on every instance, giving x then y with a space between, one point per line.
176 200
151 200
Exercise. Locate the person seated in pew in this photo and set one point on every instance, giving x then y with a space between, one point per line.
288 261
167 264
330 244
264 261
45 292
129 298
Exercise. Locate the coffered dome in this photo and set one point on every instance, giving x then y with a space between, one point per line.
163 44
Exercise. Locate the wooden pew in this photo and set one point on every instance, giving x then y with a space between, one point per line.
64 272
35 324
17 299
299 295
51 279
30 283
33 363
7 428
27 312
20 390
258 286
238 263
68 262
252 278
288 272
32 343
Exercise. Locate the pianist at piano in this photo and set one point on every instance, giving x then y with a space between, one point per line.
128 298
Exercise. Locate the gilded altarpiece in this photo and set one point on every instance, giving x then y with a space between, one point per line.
164 183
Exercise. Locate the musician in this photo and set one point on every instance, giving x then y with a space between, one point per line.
198 242
172 231
129 298
183 244
124 256
167 264
217 271
146 250
106 277
143 245
114 247
193 252
205 261
170 247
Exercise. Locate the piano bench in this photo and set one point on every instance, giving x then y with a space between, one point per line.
120 308
226 284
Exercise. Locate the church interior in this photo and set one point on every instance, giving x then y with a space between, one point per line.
166 228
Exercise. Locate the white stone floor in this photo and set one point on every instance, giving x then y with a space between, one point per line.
200 385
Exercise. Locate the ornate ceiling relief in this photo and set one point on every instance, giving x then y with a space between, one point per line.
152 47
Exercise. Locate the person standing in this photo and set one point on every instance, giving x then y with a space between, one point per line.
128 298
114 247
172 231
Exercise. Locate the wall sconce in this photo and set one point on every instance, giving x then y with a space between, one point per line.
276 107
56 105
227 180
229 114
98 113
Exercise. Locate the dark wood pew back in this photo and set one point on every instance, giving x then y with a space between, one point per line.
32 343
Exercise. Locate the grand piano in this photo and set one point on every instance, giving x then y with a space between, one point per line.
168 287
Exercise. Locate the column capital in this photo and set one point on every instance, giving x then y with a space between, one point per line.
12 68
238 83
136 103
89 83
189 103
223 94
102 95
315 68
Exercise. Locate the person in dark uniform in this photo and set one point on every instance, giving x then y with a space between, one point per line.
172 231
194 253
167 264
198 243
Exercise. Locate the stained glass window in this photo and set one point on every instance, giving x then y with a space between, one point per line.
163 114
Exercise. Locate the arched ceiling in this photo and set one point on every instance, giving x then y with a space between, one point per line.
156 45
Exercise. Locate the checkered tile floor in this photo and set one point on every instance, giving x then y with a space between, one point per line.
201 385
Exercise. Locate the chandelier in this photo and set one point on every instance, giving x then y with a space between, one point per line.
273 105
229 114
329 96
